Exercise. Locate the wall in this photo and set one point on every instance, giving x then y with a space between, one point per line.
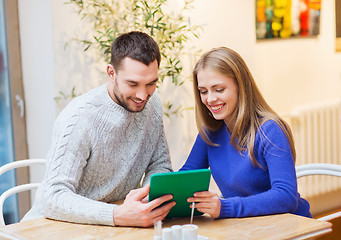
38 76
289 72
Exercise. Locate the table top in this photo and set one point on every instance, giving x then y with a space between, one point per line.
281 226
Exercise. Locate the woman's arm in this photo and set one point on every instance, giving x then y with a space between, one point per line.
273 152
197 159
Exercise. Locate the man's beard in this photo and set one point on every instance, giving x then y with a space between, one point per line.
125 105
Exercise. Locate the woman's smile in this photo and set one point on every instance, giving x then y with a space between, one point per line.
217 108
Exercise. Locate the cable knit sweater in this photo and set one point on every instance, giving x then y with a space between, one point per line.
100 151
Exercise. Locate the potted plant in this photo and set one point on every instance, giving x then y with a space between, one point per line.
171 30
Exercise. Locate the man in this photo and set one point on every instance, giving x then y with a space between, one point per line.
105 141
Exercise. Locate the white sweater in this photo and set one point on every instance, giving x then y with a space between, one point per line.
100 151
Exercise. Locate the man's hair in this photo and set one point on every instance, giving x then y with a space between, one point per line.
135 45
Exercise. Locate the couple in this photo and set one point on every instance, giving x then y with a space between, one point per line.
107 140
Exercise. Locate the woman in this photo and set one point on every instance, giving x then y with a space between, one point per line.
248 147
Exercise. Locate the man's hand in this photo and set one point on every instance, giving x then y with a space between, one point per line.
207 202
136 212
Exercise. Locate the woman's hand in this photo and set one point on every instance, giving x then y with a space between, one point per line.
206 202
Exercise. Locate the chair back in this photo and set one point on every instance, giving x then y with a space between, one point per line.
320 169
19 188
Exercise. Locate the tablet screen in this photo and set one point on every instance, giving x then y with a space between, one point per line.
181 185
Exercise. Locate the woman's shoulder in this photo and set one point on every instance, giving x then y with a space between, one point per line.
271 129
270 125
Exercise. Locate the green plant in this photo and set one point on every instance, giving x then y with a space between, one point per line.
170 30
64 96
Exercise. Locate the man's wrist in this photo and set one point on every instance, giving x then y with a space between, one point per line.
113 216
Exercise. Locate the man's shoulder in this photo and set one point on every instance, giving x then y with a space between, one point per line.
93 96
81 104
155 105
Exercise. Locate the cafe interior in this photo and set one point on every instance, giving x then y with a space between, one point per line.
292 47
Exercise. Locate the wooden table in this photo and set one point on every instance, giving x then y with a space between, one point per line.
282 226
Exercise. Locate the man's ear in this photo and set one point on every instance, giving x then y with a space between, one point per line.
111 71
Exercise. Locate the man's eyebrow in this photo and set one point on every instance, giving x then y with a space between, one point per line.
154 81
135 82
131 81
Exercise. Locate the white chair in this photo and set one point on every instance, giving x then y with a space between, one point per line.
19 188
320 169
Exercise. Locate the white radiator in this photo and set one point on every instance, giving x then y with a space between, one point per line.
317 134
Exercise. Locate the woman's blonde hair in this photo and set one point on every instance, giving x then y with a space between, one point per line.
251 111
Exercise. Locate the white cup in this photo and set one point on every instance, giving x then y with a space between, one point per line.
177 232
167 234
189 232
158 230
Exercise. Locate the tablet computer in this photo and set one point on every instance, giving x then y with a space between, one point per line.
181 185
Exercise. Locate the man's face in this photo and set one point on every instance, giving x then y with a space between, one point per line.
132 85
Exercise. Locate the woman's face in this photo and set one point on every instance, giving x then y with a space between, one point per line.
219 93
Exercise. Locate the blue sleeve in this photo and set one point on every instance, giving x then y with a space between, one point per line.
273 152
197 159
